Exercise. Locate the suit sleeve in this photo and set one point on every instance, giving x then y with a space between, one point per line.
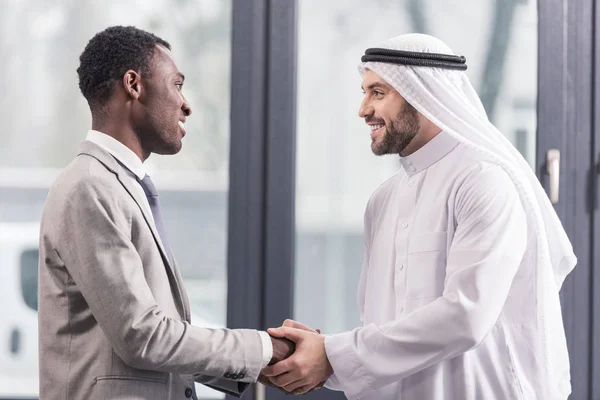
235 388
96 248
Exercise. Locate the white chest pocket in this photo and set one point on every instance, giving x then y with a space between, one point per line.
426 264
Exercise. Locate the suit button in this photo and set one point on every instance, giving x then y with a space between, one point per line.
241 376
227 375
234 376
188 392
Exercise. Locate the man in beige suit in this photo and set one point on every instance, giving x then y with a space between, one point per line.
114 317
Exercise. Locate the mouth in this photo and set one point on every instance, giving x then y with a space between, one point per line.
182 127
376 129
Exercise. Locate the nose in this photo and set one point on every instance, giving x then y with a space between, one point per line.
185 107
365 110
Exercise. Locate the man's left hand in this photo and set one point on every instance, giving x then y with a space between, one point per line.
304 370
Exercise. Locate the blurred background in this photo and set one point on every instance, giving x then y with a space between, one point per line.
313 190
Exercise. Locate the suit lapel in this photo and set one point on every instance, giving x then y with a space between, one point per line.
128 183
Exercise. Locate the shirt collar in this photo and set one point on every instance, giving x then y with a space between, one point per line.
429 154
118 150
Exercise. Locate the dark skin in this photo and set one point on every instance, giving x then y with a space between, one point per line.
282 349
146 114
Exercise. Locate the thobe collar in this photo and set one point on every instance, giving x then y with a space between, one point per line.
429 154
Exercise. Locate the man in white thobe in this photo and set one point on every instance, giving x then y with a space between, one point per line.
465 255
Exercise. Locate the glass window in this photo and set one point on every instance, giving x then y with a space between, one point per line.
336 171
44 119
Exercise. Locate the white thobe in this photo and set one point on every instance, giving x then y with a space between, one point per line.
447 293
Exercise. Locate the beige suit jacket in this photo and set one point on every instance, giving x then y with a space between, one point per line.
114 317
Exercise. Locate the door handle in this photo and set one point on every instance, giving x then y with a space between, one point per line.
553 169
260 391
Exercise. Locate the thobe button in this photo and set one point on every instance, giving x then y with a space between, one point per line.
404 225
401 309
401 267
188 393
410 183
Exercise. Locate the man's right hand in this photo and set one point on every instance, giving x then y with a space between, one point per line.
283 348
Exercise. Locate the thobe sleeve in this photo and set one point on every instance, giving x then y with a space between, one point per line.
362 282
333 382
485 253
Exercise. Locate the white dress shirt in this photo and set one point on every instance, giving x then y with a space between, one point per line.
446 293
132 162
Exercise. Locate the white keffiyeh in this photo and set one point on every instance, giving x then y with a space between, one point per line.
447 98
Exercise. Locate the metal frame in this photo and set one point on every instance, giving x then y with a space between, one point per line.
594 173
565 117
245 254
281 162
281 171
262 170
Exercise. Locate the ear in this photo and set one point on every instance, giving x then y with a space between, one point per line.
132 84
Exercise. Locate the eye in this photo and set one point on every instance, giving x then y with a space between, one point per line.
378 93
179 86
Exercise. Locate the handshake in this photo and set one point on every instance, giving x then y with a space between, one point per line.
299 364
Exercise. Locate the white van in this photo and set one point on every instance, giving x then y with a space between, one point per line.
18 310
18 314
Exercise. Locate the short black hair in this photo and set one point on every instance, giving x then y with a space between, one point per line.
111 53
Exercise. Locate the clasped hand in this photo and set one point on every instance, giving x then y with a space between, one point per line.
307 368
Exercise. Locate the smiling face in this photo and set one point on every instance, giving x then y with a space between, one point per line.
394 123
